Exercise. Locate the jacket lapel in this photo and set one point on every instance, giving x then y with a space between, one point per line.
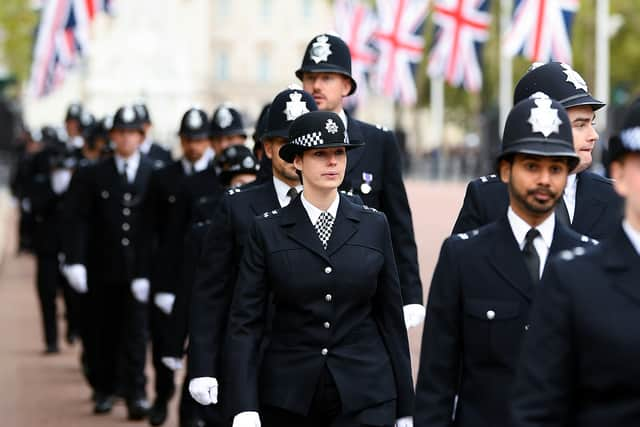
588 207
508 261
299 228
345 225
355 135
623 263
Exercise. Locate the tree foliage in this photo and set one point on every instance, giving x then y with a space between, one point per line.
17 27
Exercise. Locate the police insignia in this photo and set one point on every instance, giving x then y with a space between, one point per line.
128 115
248 163
331 126
574 78
320 50
224 117
295 107
543 118
194 121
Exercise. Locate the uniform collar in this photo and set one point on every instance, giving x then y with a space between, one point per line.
520 227
632 234
343 116
132 161
146 146
314 213
282 189
198 166
572 185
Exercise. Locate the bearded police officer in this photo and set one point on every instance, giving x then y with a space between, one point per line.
486 279
159 155
579 360
589 204
373 172
109 256
163 194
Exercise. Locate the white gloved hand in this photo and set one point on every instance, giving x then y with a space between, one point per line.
172 363
140 289
60 179
246 419
164 301
413 315
204 390
76 275
404 422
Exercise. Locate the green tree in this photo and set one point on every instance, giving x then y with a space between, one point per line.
17 26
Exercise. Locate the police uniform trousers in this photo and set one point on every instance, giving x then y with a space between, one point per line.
325 410
48 282
159 324
120 328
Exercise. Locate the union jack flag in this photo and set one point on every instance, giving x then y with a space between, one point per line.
462 27
62 37
356 23
400 43
541 30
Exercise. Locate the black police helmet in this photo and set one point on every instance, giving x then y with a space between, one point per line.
287 106
539 126
316 129
628 140
261 125
143 112
74 112
194 124
327 53
227 121
127 118
235 160
559 81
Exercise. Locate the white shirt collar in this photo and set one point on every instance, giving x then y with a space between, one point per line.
282 188
632 234
314 212
132 161
343 116
520 227
146 146
569 195
201 164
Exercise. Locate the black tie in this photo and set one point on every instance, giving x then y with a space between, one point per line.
125 177
292 193
531 257
562 213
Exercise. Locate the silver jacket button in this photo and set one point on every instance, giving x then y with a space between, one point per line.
491 314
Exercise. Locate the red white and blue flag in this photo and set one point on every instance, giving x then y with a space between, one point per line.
541 30
355 23
400 42
462 28
62 38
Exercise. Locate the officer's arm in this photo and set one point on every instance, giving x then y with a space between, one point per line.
396 206
544 380
440 357
388 310
77 211
470 216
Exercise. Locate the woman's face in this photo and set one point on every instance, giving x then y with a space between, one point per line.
322 168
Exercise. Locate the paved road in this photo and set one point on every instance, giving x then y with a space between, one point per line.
38 390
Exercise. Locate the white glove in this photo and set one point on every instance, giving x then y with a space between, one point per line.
172 363
140 289
204 390
76 275
404 422
413 315
246 419
164 301
60 179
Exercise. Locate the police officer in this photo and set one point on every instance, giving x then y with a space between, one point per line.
227 128
578 364
338 351
486 279
109 256
375 171
224 243
96 141
73 124
238 166
154 151
589 204
163 194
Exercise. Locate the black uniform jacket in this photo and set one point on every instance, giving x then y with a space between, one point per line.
340 309
477 314
598 208
159 156
109 234
579 363
379 161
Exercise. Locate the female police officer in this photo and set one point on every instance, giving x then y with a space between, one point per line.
337 353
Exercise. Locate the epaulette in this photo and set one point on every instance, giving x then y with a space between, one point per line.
587 239
382 128
569 255
369 209
233 191
488 178
201 224
270 214
347 193
468 235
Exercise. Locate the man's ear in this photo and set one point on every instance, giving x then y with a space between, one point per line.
504 168
346 85
268 148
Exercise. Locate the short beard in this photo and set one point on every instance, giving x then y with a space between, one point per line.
535 209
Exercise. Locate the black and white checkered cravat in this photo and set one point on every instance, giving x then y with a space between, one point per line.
324 227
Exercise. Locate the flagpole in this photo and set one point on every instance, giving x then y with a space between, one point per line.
602 58
506 66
